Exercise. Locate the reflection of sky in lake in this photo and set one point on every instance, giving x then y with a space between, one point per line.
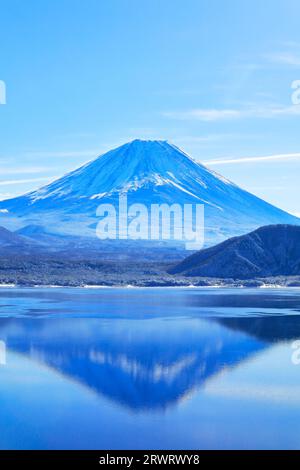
149 368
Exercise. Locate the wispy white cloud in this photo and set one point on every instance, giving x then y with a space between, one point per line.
287 53
211 115
204 114
268 158
24 170
6 196
253 189
63 154
202 139
25 181
284 58
290 43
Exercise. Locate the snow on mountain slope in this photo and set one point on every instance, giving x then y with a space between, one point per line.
147 172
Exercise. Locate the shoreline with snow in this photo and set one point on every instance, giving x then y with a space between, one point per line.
224 285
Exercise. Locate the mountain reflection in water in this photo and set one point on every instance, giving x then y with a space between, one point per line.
148 362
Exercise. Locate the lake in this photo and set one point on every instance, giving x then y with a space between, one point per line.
161 368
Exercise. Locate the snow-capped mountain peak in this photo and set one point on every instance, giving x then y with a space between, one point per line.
147 172
130 167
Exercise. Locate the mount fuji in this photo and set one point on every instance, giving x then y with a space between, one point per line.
147 172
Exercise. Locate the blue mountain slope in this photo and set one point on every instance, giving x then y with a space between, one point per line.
268 251
13 242
147 172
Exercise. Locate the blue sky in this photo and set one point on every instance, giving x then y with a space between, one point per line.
213 77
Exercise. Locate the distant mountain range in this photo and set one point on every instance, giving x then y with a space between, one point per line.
269 255
10 241
268 251
147 172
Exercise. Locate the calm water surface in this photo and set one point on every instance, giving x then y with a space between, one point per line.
149 369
